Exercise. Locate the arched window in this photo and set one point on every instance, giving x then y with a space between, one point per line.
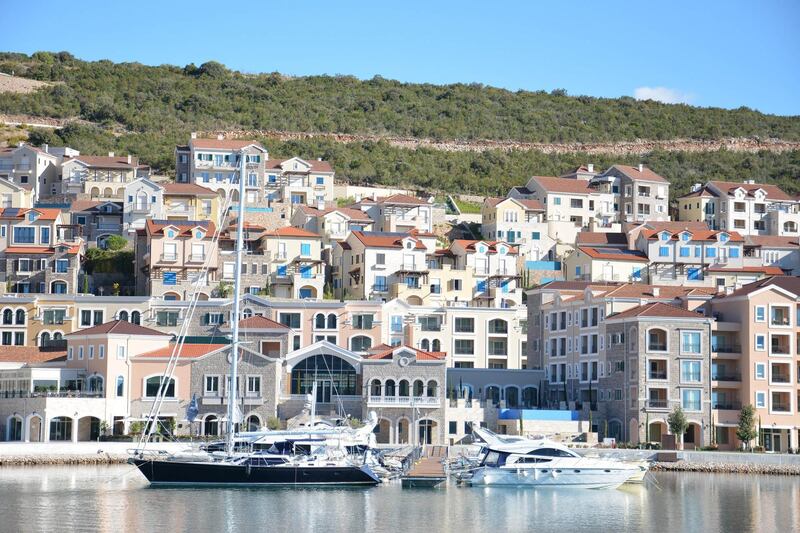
436 346
136 318
58 287
122 315
403 388
530 397
44 339
20 316
8 316
390 388
319 321
120 386
493 394
334 371
95 384
433 389
152 385
656 340
425 345
419 388
499 326
360 343
211 425
512 397
247 313
332 321
375 388
253 423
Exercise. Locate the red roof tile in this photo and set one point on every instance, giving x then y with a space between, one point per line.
30 355
563 185
101 161
657 310
787 283
772 241
773 191
469 245
291 231
316 165
529 205
72 249
766 270
118 327
186 189
704 235
386 352
614 254
45 213
156 227
223 144
377 239
633 172
260 322
608 239
187 351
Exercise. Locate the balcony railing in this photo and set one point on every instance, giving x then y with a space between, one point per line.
654 347
404 400
657 375
197 258
726 348
726 376
727 406
781 378
169 258
780 407
52 394
657 404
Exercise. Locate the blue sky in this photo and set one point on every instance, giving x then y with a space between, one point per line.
707 53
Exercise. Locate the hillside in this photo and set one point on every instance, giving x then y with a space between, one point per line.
383 131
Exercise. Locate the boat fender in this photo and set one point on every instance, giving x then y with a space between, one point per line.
248 469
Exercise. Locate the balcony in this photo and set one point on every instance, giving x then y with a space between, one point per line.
780 345
169 257
403 401
721 347
105 226
726 376
779 316
197 258
141 208
725 405
781 408
657 403
657 375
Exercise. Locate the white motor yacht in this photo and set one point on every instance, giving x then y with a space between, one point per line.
544 463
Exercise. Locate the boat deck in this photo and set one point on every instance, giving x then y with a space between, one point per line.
428 470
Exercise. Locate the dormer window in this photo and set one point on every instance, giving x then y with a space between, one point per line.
170 234
481 250
409 244
723 237
665 236
199 235
501 250
686 237
32 216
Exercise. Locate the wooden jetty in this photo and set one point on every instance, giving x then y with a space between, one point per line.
428 470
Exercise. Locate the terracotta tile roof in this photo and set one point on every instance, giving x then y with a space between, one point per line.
610 239
787 283
675 225
223 144
614 254
260 322
102 161
529 205
349 212
385 352
522 190
186 189
704 235
187 351
72 249
118 327
578 286
30 355
563 185
773 191
469 245
316 165
45 213
656 310
703 192
766 270
84 205
771 241
633 173
291 231
156 227
665 292
377 239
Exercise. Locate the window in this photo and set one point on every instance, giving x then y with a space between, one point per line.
396 324
464 347
663 251
153 384
360 343
101 351
761 343
556 200
690 371
380 259
657 340
691 399
711 252
685 251
121 351
62 266
690 342
86 318
120 386
254 386
381 285
761 400
44 235
761 371
211 386
214 319
535 235
761 313
54 316
167 318
91 351
733 252
80 352
305 249
24 235
464 325
362 321
290 320
69 353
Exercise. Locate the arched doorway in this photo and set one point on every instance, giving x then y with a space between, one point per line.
493 394
655 431
693 437
428 432
383 431
253 423
512 397
615 430
14 428
414 300
61 428
402 431
530 397
307 292
88 428
35 429
211 425
333 376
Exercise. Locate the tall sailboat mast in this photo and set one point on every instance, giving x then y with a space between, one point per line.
237 277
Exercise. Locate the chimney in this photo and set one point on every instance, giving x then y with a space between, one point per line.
750 182
696 187
47 148
110 154
130 159
729 289
194 135
375 196
641 167
656 292
408 334
320 204
319 159
590 167
220 136
20 144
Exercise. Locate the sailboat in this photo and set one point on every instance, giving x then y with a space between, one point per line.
323 465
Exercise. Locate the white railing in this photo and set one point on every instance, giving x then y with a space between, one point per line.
404 401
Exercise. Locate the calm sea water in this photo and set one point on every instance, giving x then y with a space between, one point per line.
116 498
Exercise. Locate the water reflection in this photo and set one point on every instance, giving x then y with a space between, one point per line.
117 499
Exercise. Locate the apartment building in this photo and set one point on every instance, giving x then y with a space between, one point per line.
176 259
605 263
36 254
97 220
749 208
300 182
367 265
189 201
756 361
214 164
773 251
296 269
13 195
31 168
333 224
398 213
143 199
643 194
16 314
100 177
494 265
521 222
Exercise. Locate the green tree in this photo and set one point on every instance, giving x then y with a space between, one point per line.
273 422
678 424
115 243
746 431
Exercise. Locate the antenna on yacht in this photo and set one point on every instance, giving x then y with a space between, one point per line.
237 279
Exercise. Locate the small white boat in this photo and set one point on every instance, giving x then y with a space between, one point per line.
543 463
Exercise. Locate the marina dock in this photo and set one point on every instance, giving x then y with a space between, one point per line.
427 471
